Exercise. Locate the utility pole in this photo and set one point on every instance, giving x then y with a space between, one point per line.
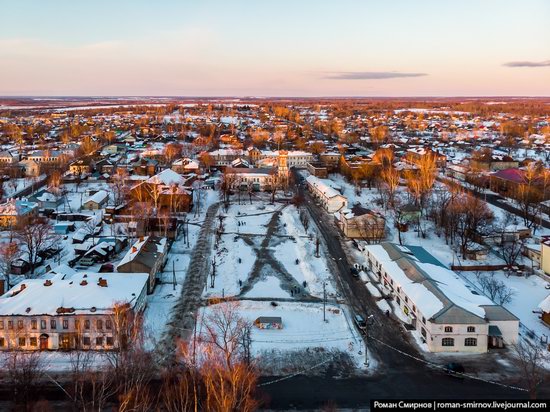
324 301
317 247
174 274
213 276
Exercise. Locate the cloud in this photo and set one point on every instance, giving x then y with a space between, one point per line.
371 75
527 64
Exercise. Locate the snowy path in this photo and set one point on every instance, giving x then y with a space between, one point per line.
267 264
183 317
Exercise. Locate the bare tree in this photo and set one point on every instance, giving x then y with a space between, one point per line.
9 253
36 236
23 371
496 289
530 360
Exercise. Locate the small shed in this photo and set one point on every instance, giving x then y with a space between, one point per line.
269 322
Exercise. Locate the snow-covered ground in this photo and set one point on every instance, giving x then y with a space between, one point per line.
163 299
303 328
528 293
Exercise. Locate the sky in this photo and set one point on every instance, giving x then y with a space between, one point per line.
275 48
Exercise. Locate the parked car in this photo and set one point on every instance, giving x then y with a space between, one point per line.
86 261
360 322
455 369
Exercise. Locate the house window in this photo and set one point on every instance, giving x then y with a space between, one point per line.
398 300
470 342
33 342
22 341
87 324
86 341
414 308
406 300
1 324
19 324
108 324
447 342
448 328
99 341
471 329
109 340
2 342
34 324
423 331
423 320
42 324
65 323
53 324
99 324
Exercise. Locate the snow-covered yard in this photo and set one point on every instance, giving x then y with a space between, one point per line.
303 329
528 293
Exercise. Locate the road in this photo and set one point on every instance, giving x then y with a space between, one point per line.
397 376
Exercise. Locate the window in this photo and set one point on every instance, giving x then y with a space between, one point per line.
470 342
76 324
398 300
423 320
108 324
1 324
471 329
100 324
10 324
21 341
53 324
448 328
42 324
423 331
87 324
19 324
414 308
447 342
2 342
33 342
65 323
34 324
86 341
406 300
109 341
99 341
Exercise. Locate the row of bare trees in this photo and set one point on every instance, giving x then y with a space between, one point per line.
212 372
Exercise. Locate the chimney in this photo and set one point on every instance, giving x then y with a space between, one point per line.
48 282
23 287
134 249
83 283
102 282
2 286
141 238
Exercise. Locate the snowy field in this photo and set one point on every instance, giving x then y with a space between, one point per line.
238 269
303 329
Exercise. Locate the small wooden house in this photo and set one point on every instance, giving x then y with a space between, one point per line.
269 322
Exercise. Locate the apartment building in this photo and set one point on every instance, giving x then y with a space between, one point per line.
449 314
69 311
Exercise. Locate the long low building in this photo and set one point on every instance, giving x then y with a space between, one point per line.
451 316
329 197
69 311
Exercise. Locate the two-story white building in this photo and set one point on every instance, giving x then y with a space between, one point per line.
450 315
69 311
